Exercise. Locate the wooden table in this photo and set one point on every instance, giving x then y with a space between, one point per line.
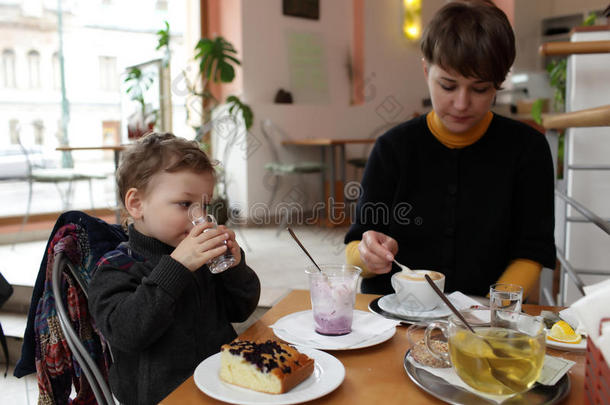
330 171
373 375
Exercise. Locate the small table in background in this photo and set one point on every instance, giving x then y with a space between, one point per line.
114 148
330 171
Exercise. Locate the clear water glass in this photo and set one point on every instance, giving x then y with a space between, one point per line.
505 301
197 215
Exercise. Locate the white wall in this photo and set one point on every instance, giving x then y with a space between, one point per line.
394 85
588 87
528 26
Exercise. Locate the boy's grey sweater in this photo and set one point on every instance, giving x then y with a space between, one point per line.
162 320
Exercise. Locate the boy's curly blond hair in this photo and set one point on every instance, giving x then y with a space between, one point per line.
158 152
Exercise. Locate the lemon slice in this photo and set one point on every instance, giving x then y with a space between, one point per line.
562 332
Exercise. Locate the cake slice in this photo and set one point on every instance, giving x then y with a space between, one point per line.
270 367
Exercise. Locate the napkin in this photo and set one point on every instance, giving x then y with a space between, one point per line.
590 310
552 370
298 328
463 301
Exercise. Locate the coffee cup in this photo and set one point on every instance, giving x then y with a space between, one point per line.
413 291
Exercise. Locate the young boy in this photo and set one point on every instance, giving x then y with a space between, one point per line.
153 298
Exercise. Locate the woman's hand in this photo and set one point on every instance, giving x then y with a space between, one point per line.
377 251
200 247
232 244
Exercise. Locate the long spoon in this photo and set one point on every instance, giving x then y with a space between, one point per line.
303 247
404 268
498 375
449 304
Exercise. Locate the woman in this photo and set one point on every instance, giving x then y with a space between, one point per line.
461 190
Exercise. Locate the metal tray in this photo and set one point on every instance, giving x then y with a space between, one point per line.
441 389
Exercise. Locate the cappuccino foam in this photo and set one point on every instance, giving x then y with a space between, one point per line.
420 275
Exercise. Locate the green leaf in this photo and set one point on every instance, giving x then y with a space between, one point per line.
216 60
237 106
537 111
163 37
590 19
227 73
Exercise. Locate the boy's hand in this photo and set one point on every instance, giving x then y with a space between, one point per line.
232 244
200 247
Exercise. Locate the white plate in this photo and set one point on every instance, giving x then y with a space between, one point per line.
390 304
328 374
569 347
342 342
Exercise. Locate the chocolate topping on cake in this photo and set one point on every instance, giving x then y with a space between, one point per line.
266 356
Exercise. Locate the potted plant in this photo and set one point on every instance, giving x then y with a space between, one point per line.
216 60
142 120
145 118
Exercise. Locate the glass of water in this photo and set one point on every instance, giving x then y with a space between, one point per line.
505 302
198 214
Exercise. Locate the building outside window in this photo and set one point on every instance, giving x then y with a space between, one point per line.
38 132
100 40
8 69
13 131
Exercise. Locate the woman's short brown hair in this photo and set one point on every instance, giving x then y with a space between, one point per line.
156 153
473 38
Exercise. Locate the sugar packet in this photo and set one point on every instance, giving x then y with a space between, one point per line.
554 368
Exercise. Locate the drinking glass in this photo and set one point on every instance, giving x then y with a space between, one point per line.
333 295
494 360
505 303
198 214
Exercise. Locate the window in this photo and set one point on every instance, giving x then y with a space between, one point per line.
8 69
56 72
13 130
109 80
38 132
34 69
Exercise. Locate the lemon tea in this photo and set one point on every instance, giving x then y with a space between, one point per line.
496 360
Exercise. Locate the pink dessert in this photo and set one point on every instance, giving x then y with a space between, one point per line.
333 305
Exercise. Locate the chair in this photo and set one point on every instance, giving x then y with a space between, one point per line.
36 174
61 344
97 381
278 169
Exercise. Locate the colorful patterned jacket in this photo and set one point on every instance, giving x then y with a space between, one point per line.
84 240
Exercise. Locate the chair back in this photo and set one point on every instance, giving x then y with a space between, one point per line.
26 154
61 343
97 381
268 129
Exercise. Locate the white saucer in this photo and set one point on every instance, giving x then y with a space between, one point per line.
389 303
367 330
